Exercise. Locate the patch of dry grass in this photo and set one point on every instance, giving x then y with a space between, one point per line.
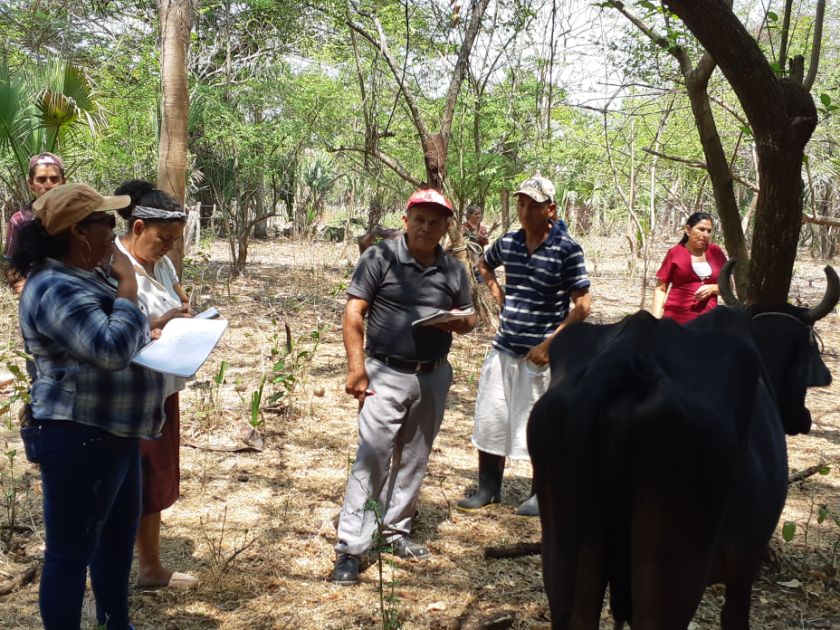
285 500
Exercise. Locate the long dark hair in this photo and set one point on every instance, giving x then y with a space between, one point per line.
144 193
693 220
34 246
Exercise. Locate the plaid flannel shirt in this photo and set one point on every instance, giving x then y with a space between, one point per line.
82 339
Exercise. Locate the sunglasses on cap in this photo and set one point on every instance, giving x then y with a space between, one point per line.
110 219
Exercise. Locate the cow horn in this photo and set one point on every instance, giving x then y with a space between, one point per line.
725 283
829 301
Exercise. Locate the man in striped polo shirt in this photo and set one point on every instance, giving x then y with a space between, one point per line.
546 290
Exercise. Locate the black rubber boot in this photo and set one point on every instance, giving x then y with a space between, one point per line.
530 506
491 468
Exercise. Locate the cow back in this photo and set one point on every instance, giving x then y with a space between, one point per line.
635 447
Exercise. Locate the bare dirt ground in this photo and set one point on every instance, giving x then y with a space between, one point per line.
258 528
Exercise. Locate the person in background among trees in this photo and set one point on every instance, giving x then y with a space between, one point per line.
46 171
400 377
154 221
690 270
545 274
472 227
89 404
475 235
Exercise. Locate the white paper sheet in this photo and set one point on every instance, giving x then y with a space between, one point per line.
184 345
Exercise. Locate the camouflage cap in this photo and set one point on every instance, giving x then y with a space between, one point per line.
537 188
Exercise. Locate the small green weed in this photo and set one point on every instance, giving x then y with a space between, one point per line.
388 598
291 362
256 420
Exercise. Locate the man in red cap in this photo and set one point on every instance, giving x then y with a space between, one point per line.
400 376
46 171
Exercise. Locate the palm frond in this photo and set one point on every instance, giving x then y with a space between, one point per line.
67 99
13 116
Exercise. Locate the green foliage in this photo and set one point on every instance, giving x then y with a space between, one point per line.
48 108
788 530
256 419
12 477
218 381
292 361
9 359
11 484
827 105
277 88
388 599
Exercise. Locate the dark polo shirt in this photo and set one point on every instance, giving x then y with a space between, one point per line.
399 290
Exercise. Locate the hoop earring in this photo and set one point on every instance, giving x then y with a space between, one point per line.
86 256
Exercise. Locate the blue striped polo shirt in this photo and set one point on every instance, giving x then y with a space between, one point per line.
538 286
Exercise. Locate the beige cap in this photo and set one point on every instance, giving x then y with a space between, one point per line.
66 205
537 188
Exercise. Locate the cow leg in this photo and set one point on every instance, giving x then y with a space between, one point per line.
573 555
735 614
667 600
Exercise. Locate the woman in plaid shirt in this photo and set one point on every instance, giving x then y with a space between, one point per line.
90 405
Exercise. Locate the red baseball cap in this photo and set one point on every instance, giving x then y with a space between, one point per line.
430 196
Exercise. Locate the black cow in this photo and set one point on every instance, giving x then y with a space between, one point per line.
660 461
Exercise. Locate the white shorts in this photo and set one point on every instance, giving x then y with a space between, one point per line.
508 388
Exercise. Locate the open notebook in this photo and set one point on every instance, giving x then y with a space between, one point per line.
183 347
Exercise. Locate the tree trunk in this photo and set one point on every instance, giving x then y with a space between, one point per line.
261 226
176 18
721 178
776 233
783 116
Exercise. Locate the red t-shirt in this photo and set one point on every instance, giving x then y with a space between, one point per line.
677 271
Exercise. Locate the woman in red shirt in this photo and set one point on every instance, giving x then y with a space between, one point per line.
690 270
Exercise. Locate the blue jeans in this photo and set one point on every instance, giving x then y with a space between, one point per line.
91 486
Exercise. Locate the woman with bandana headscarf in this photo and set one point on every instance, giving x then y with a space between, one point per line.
155 220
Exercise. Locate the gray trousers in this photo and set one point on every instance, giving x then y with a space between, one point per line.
397 426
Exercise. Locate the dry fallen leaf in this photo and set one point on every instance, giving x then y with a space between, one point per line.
794 583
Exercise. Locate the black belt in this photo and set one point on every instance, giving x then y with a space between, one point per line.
416 367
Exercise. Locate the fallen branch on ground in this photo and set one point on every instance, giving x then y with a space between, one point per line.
21 579
802 475
513 551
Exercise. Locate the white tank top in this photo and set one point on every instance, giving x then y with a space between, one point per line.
702 269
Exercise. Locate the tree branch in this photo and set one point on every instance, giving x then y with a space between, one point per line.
802 475
460 67
820 220
783 46
730 110
819 18
388 161
707 64
740 59
381 45
677 52
702 165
